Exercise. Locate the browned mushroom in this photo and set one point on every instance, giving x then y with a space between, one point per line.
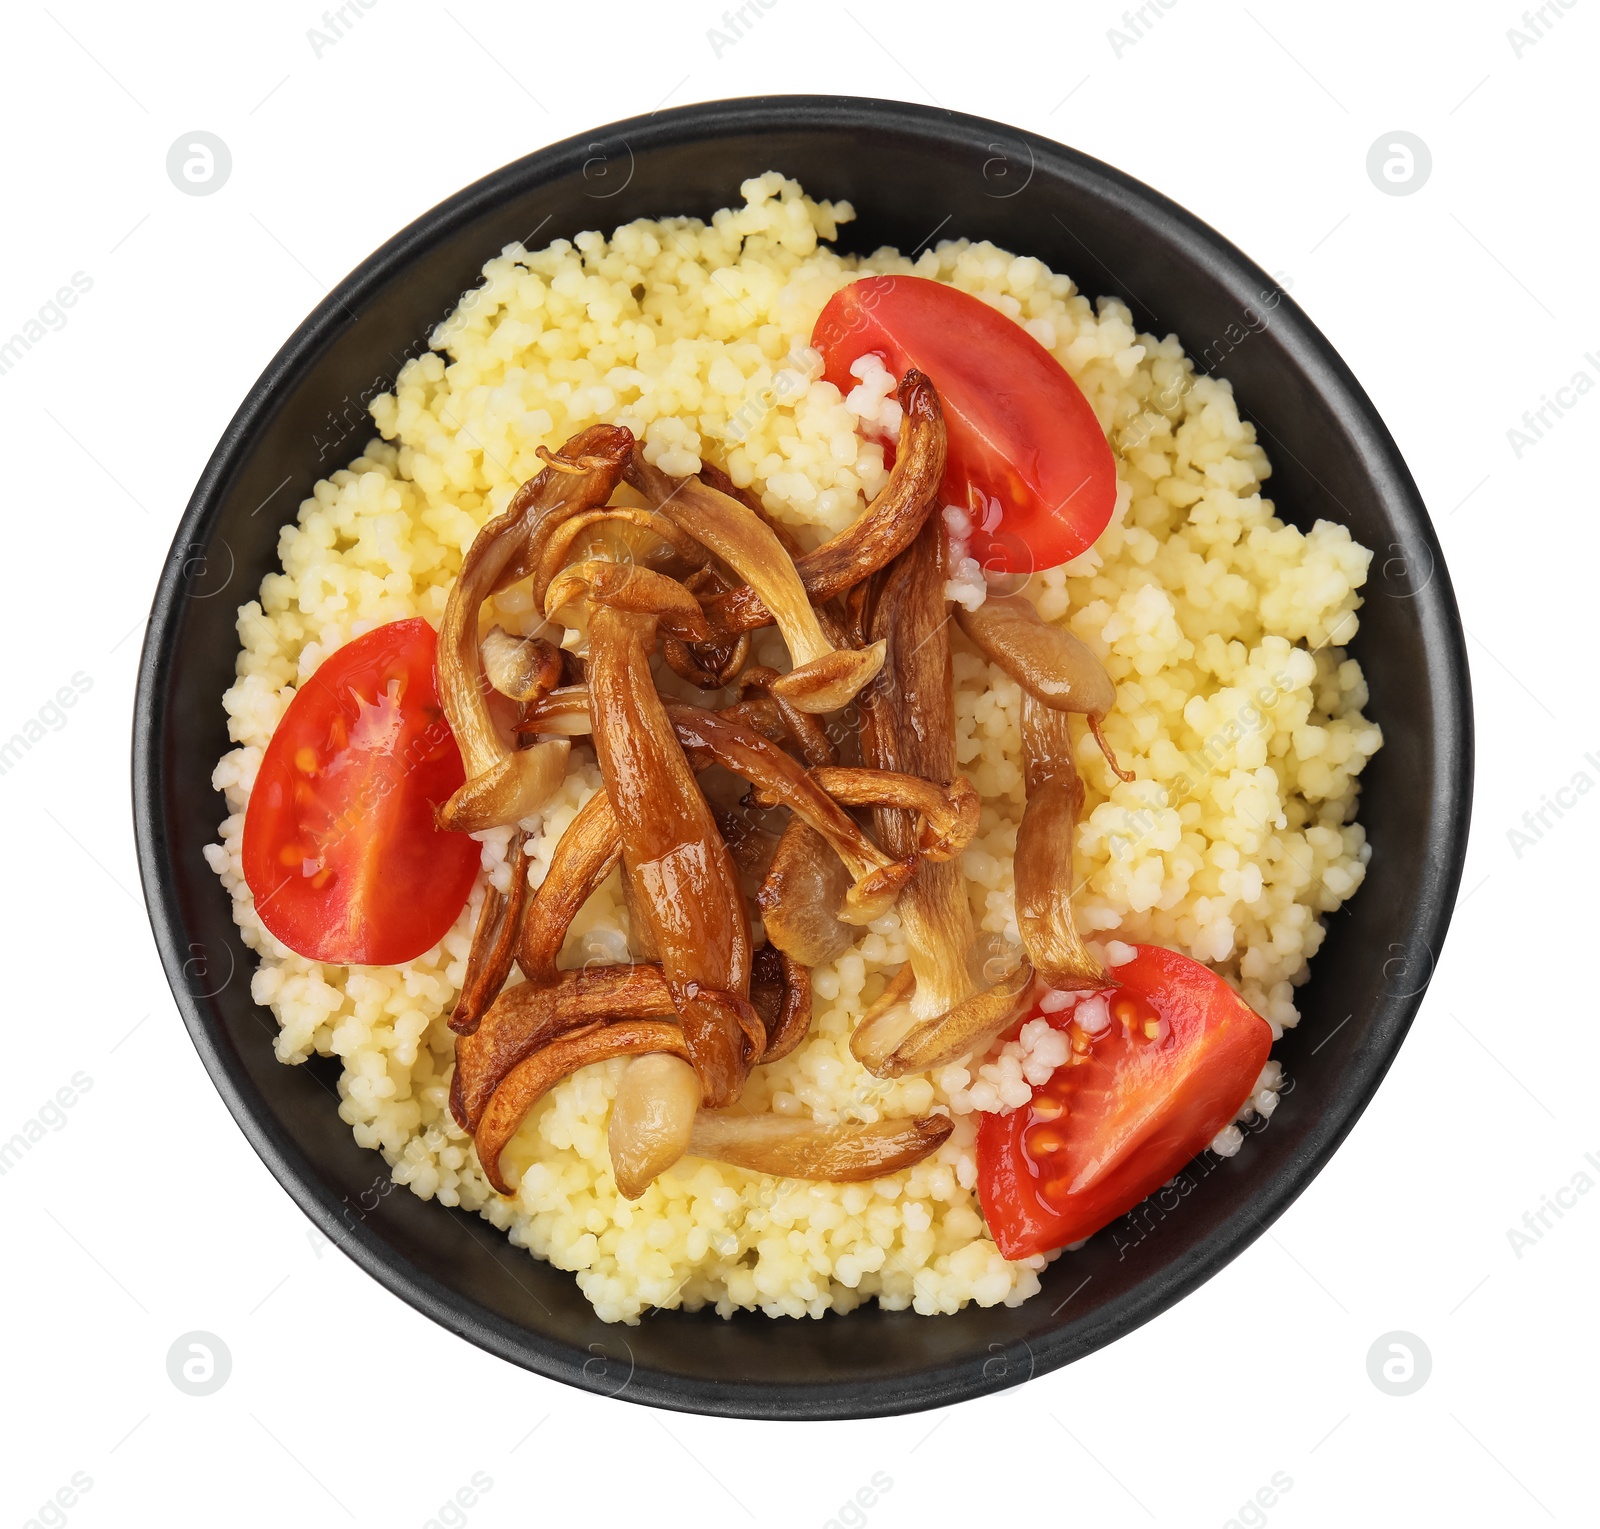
1059 675
781 992
908 725
810 735
504 784
790 1148
890 524
687 883
782 781
520 668
801 894
949 813
703 1006
533 1077
1044 857
823 678
629 589
652 1115
1046 660
527 1017
603 531
584 856
970 1026
714 476
494 943
1049 662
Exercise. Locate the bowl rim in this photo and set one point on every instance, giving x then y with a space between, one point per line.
1450 795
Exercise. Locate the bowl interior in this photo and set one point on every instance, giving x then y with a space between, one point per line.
913 175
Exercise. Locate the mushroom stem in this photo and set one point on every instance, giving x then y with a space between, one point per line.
494 943
890 524
584 857
824 678
1047 660
1045 842
802 1149
688 885
908 725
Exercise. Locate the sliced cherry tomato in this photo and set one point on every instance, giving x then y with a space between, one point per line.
1028 461
340 847
1182 1052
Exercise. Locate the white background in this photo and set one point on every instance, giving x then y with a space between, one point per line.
146 1216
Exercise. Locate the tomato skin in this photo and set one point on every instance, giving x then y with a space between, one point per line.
1125 1120
1027 460
340 848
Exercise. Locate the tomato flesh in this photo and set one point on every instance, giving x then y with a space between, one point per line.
340 847
1181 1054
1028 461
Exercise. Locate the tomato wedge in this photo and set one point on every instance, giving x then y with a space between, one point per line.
1181 1054
340 848
1028 460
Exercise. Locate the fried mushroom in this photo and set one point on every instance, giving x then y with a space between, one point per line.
790 1148
824 677
503 784
891 522
686 883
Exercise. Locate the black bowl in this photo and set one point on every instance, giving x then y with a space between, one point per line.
912 173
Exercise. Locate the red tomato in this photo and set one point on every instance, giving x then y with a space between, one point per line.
1028 460
340 847
1182 1053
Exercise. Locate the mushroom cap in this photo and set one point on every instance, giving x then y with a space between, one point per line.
831 681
